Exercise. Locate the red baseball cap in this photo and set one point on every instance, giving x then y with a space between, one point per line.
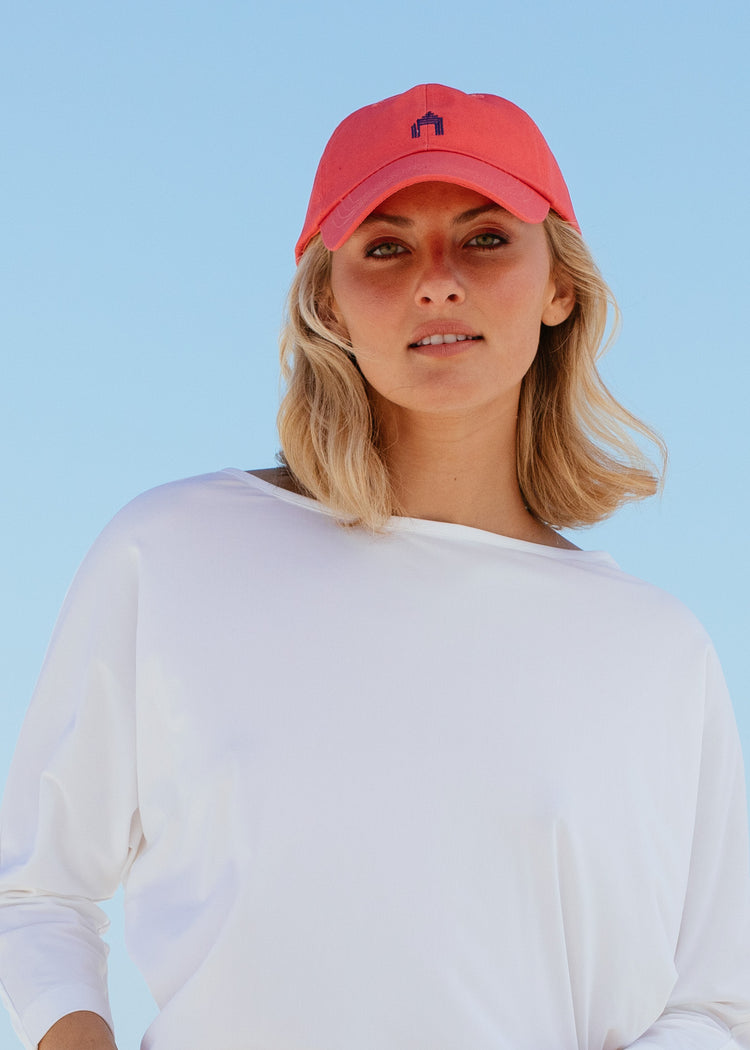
433 133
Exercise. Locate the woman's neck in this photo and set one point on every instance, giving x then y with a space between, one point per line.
461 470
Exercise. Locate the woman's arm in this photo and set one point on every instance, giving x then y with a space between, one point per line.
711 995
79 1031
69 819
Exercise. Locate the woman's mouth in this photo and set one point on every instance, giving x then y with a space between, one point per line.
448 337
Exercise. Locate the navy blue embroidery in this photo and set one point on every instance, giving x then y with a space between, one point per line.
428 118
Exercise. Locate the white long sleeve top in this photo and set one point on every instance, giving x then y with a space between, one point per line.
431 790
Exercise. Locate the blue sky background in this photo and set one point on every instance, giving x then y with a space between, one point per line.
156 162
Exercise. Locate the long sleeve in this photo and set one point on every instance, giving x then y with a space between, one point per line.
69 820
711 994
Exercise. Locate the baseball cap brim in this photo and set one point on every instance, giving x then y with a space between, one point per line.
436 166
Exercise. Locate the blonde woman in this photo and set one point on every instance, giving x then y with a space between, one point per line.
382 759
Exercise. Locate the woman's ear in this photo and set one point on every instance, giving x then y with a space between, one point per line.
560 306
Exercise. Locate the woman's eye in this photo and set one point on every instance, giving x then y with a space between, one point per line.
487 240
386 250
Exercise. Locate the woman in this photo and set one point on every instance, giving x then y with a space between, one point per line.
382 759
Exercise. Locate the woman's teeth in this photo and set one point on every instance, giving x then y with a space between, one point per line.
436 340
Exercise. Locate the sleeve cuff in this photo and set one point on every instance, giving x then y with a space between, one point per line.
55 1003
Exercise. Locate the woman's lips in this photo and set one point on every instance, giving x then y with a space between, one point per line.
442 331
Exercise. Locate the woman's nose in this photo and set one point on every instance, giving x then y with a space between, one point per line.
439 282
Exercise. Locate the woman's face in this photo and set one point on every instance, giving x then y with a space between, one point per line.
443 293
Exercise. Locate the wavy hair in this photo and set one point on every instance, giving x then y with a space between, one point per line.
576 459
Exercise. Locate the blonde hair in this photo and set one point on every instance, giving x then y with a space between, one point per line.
576 460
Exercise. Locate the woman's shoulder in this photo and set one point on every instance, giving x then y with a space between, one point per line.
206 489
203 504
176 496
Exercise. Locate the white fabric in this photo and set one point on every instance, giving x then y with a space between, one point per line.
432 790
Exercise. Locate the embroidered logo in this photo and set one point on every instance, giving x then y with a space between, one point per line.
428 119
